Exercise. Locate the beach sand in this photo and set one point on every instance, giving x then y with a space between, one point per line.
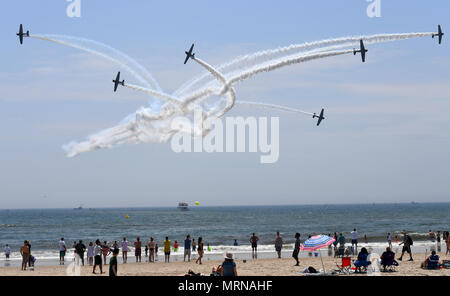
259 267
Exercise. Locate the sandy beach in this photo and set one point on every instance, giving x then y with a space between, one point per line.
259 267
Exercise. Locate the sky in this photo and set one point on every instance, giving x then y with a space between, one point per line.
386 135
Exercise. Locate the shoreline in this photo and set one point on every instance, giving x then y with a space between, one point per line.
257 267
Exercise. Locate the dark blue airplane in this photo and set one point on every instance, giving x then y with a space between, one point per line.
21 34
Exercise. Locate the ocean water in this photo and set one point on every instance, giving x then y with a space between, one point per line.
219 226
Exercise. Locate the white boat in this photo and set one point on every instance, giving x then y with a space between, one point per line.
183 206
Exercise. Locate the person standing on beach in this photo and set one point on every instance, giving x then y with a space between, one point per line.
167 243
407 242
7 252
105 251
187 248
354 235
151 248
235 243
113 263
389 239
81 248
447 242
278 244
199 250
90 253
137 249
30 262
124 250
25 252
97 256
62 251
296 249
194 245
254 241
432 236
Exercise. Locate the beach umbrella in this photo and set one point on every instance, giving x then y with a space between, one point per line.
317 242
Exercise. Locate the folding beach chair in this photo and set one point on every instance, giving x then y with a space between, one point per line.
346 265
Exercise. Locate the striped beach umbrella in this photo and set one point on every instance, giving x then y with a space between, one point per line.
316 242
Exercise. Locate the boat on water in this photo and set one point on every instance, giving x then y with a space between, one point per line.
79 208
183 206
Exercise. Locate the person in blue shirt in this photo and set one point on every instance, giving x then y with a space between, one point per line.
187 248
235 242
229 266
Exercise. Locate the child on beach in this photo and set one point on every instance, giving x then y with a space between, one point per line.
62 251
389 239
113 263
90 253
7 251
175 247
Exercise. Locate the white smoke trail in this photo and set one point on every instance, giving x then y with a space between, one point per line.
348 41
105 51
286 62
273 107
160 95
149 126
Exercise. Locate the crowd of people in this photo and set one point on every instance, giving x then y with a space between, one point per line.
96 253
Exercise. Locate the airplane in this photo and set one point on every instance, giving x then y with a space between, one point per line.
189 54
21 34
362 50
439 34
320 117
117 81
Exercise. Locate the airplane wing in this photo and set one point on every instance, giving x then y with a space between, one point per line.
187 58
363 51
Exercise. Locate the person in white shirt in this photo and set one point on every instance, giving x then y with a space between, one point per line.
62 251
97 256
124 250
7 252
354 234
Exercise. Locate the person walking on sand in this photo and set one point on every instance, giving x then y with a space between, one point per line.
151 248
113 263
389 239
7 252
254 241
97 256
407 243
25 252
200 250
167 243
278 244
187 248
296 249
137 249
62 251
81 248
124 250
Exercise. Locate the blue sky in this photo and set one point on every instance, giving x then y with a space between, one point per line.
386 137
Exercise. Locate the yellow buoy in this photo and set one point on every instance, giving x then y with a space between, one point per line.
197 203
127 216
